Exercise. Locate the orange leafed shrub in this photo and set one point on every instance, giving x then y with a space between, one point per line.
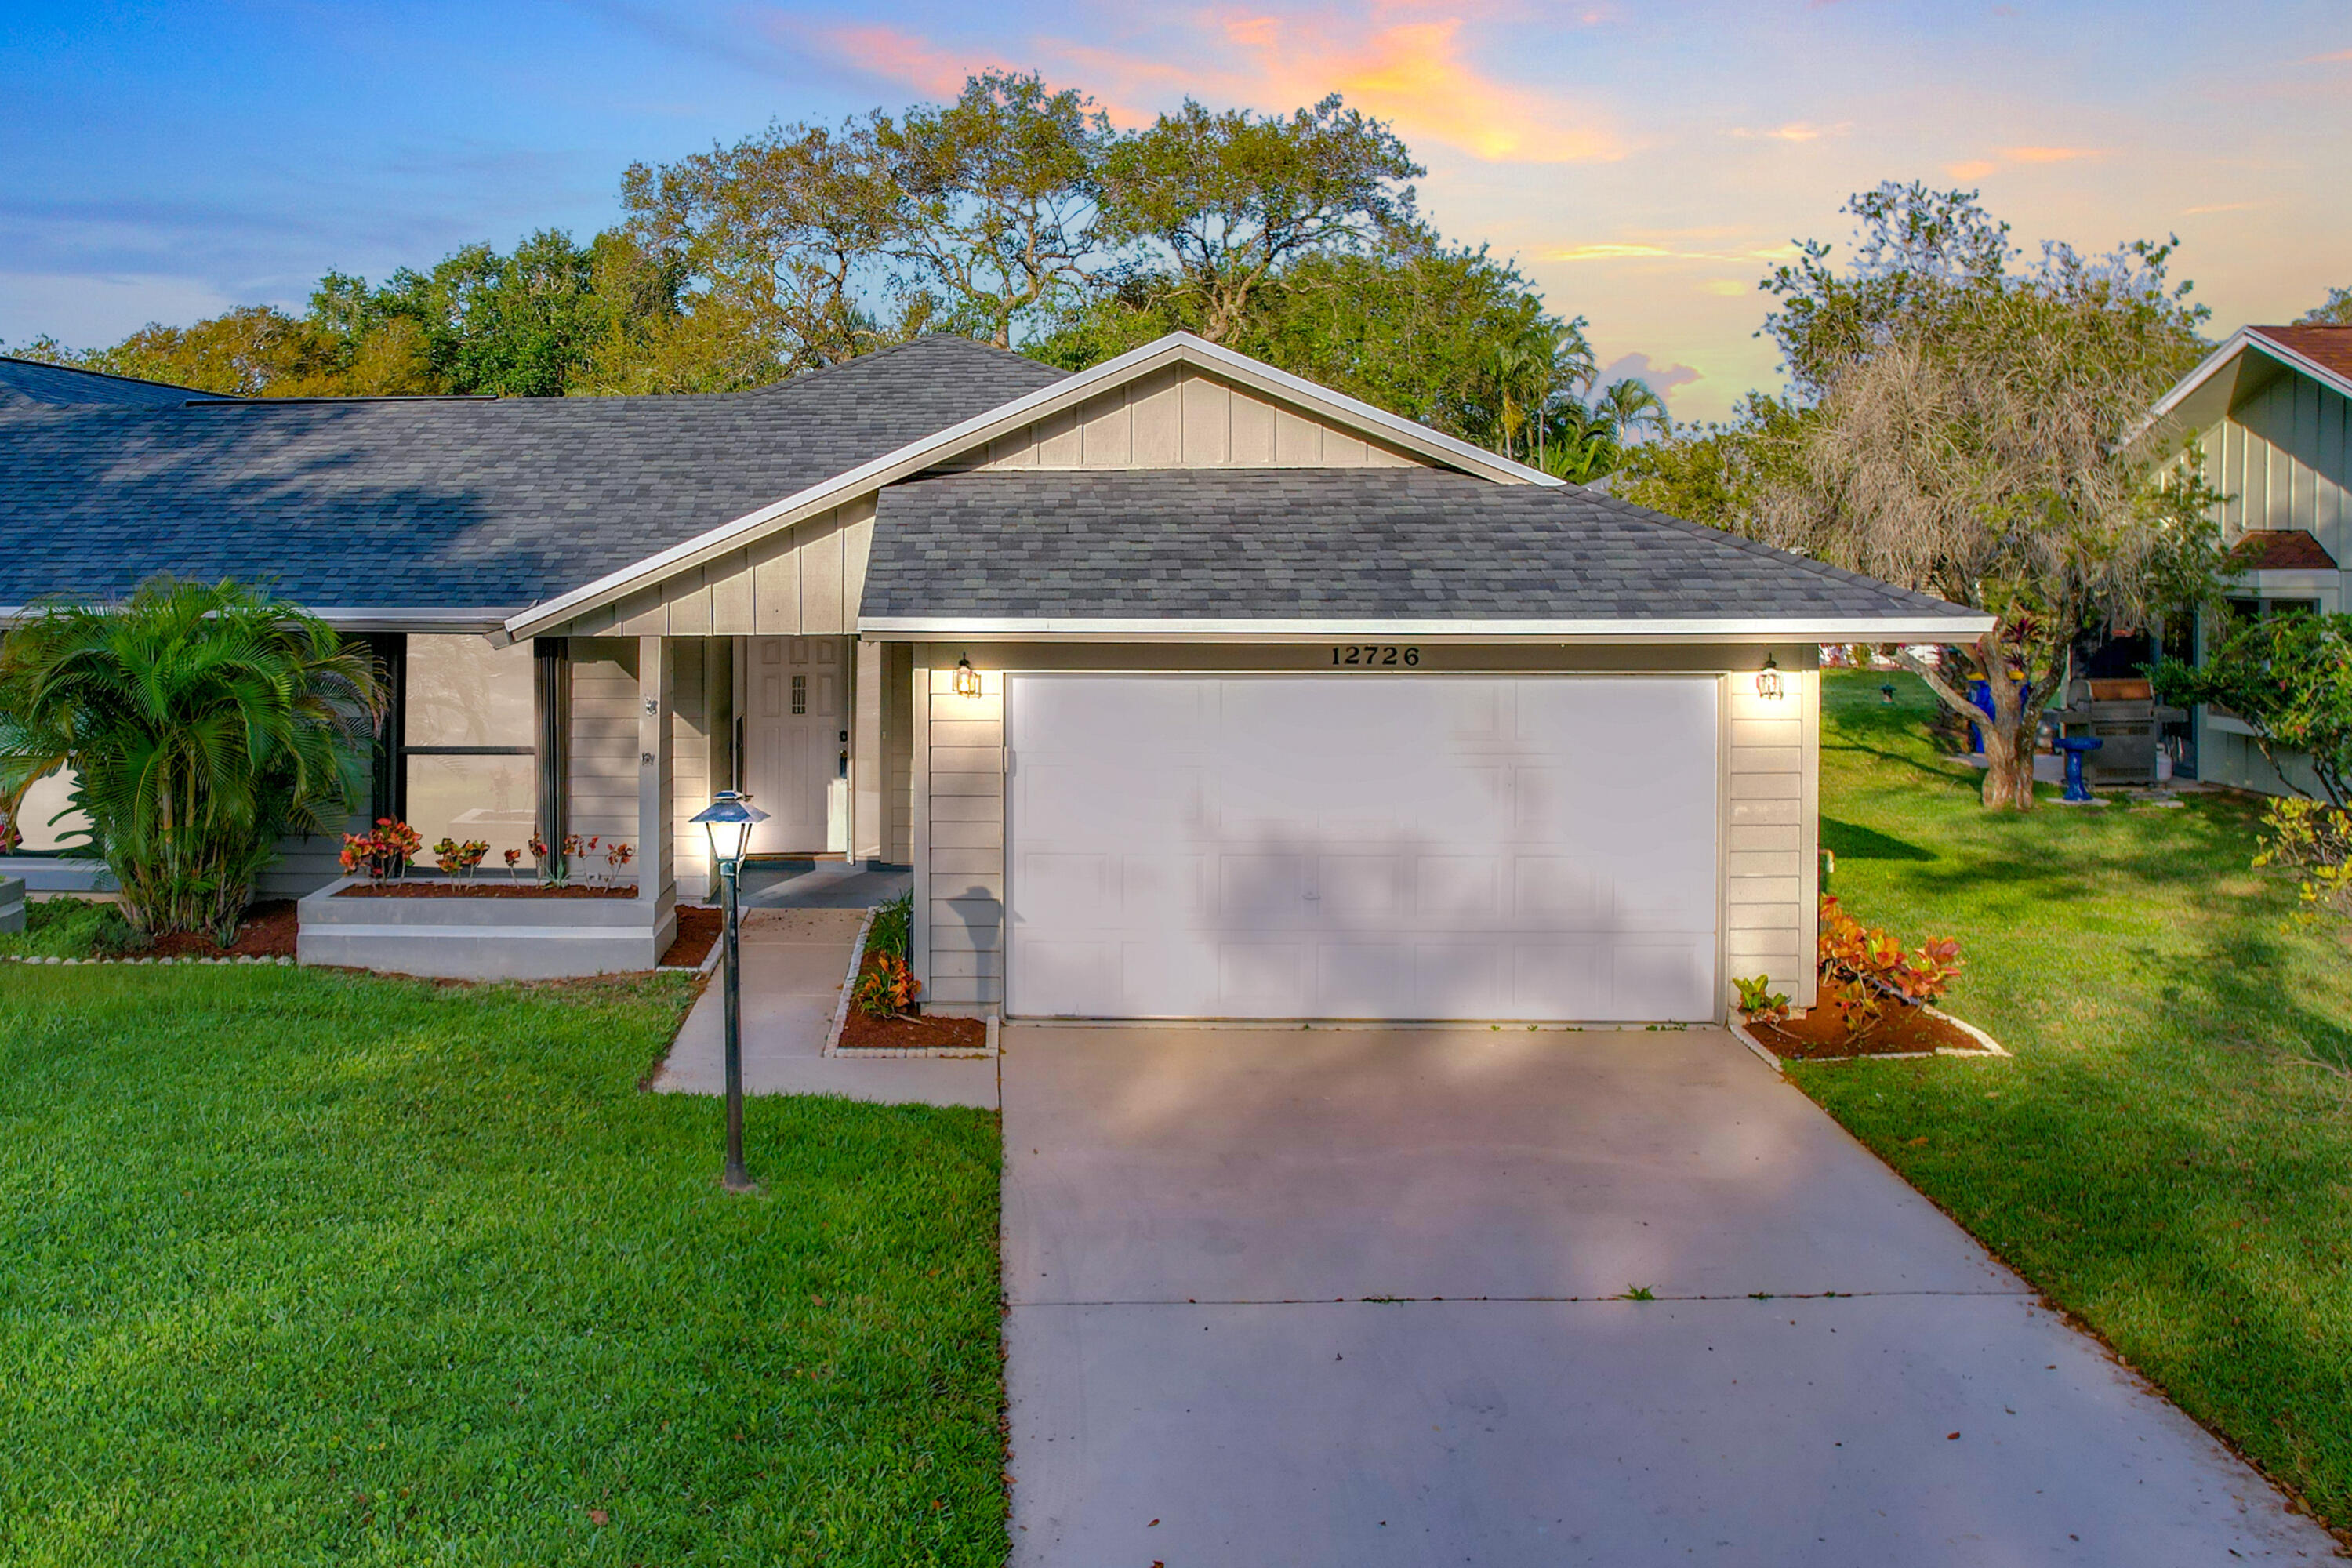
1865 967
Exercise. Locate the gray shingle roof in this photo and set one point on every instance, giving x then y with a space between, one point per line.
28 384
449 502
1319 543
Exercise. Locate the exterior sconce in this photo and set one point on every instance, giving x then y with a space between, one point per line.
1768 681
966 679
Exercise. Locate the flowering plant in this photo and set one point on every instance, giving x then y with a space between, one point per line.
618 858
887 989
458 859
1865 967
383 851
10 837
514 858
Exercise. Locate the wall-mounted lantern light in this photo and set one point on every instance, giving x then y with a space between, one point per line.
1768 681
966 679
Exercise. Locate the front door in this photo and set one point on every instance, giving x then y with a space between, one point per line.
796 743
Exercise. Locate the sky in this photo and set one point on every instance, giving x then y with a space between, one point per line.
1646 163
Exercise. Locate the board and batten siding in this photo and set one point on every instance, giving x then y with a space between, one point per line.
801 581
1181 418
1769 798
1771 863
600 793
2283 460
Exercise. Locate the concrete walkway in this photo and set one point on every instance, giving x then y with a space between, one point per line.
1357 1296
794 961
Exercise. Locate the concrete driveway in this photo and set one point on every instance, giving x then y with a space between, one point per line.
1357 1297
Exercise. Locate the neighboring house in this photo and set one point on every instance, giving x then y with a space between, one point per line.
30 384
2271 410
1186 688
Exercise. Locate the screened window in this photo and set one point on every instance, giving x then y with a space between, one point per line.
468 764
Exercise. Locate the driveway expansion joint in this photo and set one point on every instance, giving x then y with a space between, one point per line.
1760 1298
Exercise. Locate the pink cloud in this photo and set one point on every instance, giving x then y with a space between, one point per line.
1410 70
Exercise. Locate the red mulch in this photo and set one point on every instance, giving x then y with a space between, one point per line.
1821 1035
266 932
923 1033
480 890
698 933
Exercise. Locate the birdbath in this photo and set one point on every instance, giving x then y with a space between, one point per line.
2074 746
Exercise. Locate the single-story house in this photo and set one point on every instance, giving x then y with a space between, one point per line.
1186 688
2271 411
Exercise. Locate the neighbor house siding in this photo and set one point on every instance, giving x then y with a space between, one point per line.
2283 460
1770 832
1181 418
602 797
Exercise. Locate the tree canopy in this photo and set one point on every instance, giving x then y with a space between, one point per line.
1957 426
1014 213
2336 313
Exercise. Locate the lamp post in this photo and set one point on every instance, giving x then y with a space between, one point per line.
728 819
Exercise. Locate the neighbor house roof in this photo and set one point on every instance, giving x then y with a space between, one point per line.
450 504
30 384
1338 552
2247 360
2280 550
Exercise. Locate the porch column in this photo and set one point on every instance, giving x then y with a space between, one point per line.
869 816
656 755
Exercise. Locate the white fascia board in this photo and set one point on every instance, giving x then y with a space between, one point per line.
1795 628
1176 348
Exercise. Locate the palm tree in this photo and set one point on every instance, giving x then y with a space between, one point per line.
1630 405
202 722
1588 449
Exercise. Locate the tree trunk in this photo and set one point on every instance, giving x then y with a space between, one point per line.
2009 768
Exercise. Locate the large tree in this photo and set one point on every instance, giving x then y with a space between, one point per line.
1221 205
2336 313
1960 428
996 215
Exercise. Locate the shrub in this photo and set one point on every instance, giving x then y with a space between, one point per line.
2315 840
1758 1002
887 989
893 927
201 722
1865 967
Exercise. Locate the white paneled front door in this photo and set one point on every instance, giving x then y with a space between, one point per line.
795 714
1367 847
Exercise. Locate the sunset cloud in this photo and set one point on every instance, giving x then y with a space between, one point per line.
1416 73
1624 251
1979 168
1795 130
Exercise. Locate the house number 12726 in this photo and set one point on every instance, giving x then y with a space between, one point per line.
1365 653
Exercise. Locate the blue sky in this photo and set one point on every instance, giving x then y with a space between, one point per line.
1646 162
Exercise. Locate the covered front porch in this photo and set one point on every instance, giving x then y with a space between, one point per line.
599 749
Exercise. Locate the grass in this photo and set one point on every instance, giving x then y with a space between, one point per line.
307 1267
2170 1156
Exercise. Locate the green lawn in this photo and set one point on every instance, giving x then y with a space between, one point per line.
299 1266
2170 1156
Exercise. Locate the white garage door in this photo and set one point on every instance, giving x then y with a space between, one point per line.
1369 847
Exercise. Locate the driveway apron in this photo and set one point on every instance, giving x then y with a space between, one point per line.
1361 1296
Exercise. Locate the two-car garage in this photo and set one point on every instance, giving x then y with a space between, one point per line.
1372 845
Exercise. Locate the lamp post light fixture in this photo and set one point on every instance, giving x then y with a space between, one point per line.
966 679
1768 681
727 820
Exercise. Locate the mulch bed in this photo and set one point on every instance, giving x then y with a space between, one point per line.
480 890
266 932
1820 1035
698 933
920 1033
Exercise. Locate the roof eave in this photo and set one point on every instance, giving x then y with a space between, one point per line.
1891 628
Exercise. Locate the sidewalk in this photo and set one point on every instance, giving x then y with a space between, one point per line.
794 961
